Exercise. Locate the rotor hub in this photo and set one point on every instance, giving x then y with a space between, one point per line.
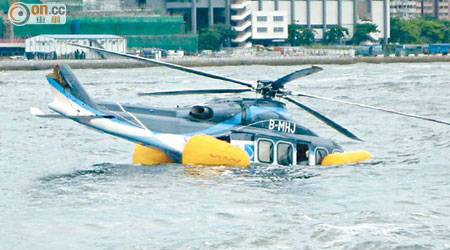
268 91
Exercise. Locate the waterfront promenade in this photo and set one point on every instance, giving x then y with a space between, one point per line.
10 64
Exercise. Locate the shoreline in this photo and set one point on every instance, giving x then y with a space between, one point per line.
10 65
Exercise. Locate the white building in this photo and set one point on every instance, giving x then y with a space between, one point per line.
271 25
240 14
323 14
51 46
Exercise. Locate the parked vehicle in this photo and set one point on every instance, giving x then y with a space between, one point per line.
369 50
175 53
409 49
436 48
152 53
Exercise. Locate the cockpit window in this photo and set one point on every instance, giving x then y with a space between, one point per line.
265 151
284 154
320 154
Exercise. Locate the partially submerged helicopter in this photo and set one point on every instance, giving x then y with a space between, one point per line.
220 132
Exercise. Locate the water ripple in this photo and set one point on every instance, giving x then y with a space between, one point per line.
64 186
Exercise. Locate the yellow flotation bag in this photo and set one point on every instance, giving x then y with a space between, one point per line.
346 157
147 155
210 151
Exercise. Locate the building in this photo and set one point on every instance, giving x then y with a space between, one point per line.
323 14
404 8
58 46
12 48
96 5
240 14
420 8
437 8
272 25
142 30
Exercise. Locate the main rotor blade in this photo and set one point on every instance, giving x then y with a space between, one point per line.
369 107
195 91
279 83
326 120
171 65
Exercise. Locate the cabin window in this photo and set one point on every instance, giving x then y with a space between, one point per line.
284 154
320 154
265 151
302 154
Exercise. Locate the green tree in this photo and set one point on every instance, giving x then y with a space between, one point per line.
420 30
300 35
362 31
214 37
446 31
335 35
431 30
405 31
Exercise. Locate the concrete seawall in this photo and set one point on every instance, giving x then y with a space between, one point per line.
205 62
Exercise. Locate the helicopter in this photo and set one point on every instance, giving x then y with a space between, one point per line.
224 131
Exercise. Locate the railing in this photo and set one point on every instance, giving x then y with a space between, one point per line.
241 16
240 5
243 26
302 51
242 38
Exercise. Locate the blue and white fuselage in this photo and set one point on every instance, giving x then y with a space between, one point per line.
262 127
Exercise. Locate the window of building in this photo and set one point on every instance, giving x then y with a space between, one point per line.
265 151
285 154
278 29
261 18
317 26
261 29
278 18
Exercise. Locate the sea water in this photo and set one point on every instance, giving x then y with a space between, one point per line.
63 186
